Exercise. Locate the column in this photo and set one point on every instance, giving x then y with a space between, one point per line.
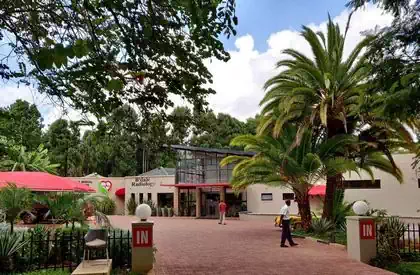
142 247
361 238
176 201
223 194
198 202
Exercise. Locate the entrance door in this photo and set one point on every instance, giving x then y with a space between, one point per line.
210 205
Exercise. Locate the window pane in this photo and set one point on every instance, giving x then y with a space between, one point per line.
288 196
266 196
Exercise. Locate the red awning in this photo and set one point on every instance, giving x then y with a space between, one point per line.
317 190
39 181
188 185
120 192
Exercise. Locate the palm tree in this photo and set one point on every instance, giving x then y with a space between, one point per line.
298 169
18 159
13 201
328 93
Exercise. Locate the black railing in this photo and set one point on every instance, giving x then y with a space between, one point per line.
64 250
405 239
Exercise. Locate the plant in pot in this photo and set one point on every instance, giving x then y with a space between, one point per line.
10 244
170 212
159 212
164 212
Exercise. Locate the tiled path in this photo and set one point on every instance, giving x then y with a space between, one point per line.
189 246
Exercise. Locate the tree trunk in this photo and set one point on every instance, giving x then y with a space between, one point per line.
304 210
11 226
332 184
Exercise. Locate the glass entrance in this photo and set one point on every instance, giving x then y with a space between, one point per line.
210 204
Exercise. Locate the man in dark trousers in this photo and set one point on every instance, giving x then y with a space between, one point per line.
285 223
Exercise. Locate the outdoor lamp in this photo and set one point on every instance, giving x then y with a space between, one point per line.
143 211
360 208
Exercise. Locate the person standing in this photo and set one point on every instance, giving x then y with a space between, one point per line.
285 223
222 212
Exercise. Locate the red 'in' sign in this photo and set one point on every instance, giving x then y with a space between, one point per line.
142 237
367 229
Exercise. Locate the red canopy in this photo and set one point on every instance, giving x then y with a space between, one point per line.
317 190
120 192
40 181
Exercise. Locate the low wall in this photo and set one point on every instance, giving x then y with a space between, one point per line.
244 216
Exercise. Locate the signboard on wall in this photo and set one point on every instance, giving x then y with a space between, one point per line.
142 236
143 182
367 229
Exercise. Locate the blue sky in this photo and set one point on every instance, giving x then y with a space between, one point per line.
260 18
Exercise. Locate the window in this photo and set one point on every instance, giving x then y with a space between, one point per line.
362 184
418 182
266 196
149 196
288 196
141 198
133 196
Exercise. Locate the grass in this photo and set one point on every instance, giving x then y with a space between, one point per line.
406 268
47 271
340 237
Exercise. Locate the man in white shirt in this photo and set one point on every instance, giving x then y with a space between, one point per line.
285 223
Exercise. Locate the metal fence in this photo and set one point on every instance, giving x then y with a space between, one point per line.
64 250
405 238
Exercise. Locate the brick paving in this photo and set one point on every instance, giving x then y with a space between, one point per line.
190 246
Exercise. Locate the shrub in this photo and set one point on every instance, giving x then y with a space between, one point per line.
131 206
10 243
106 206
47 271
322 226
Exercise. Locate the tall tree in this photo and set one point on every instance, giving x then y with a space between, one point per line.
275 164
328 93
394 56
62 139
99 54
22 123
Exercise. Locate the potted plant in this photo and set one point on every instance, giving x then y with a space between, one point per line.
164 214
159 212
181 212
170 212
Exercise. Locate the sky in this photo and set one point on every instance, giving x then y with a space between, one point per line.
266 27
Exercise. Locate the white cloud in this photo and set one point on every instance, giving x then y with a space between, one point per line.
238 82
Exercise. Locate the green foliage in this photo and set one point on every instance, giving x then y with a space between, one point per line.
216 131
106 206
48 271
10 243
18 159
322 226
141 52
341 210
13 201
405 268
131 206
21 123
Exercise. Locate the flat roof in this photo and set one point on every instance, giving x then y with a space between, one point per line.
211 150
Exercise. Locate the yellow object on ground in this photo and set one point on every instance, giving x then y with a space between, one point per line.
295 220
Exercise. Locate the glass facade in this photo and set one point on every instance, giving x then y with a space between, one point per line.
201 167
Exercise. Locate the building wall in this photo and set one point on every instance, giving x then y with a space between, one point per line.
148 184
398 199
117 183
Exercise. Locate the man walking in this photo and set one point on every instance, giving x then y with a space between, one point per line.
222 212
285 223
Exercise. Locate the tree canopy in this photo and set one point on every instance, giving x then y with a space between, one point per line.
98 55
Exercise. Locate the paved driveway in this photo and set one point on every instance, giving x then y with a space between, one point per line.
190 246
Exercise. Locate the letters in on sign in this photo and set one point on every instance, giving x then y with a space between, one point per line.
142 237
367 229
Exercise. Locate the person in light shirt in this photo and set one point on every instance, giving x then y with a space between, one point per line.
285 223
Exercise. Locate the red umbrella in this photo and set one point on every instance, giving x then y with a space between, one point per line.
40 181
